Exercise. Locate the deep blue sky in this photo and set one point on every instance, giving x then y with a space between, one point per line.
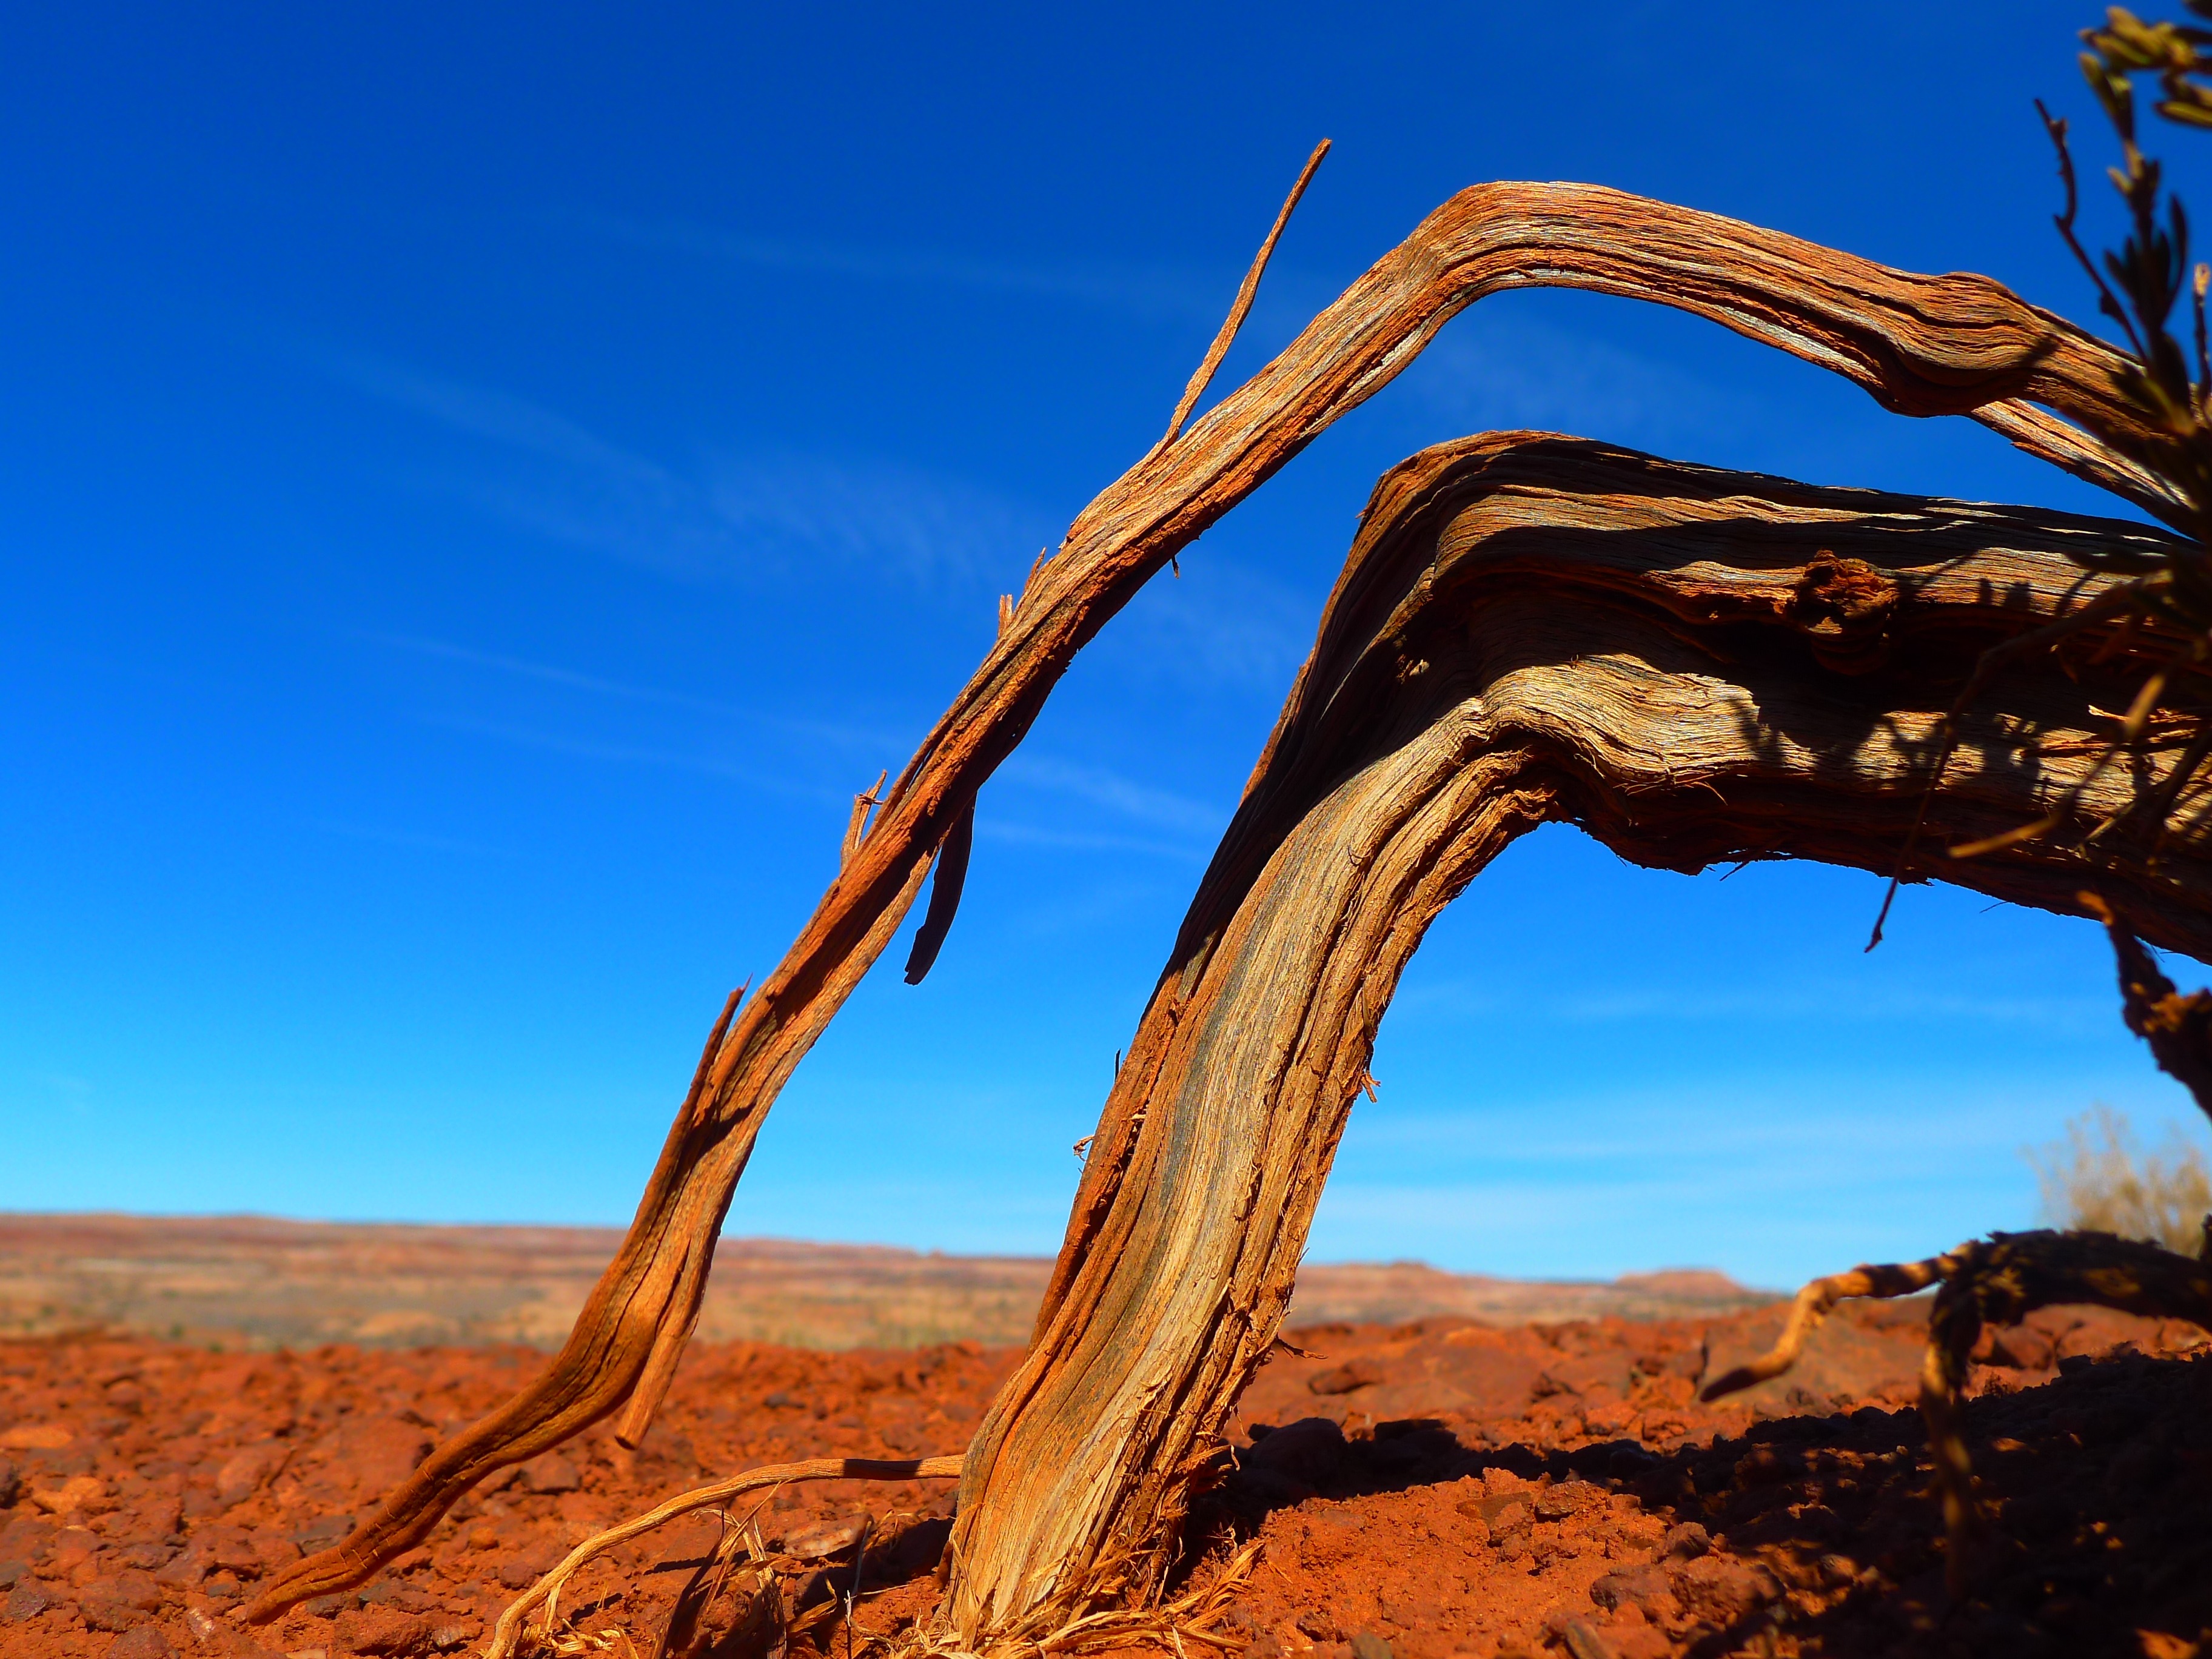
482 488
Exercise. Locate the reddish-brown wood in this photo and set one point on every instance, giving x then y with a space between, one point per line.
1921 345
1692 666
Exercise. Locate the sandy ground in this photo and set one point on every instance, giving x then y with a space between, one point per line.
1433 1489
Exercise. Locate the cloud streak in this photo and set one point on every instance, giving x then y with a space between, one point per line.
1151 291
631 755
1220 624
1098 787
776 515
550 674
1498 369
1831 1005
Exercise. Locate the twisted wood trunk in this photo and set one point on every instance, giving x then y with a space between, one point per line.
1692 666
1921 345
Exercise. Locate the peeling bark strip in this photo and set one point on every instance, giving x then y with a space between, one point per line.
1921 345
1692 666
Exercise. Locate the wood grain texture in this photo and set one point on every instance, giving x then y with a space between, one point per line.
1692 666
1919 345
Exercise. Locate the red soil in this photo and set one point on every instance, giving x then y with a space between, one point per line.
1431 1490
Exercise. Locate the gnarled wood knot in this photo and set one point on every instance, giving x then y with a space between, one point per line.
1843 607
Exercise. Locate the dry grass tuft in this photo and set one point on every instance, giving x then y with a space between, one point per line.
2099 1180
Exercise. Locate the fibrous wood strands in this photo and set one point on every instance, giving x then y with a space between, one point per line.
1692 666
1921 345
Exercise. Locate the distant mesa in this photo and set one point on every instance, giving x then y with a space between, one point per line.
255 1281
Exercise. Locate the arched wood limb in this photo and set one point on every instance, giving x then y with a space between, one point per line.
1919 345
1692 666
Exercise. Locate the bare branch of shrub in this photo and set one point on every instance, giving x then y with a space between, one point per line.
2098 1179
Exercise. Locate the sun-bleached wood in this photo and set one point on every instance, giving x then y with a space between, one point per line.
1692 666
1919 345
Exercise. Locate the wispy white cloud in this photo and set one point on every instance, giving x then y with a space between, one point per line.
1836 1004
631 755
776 514
1221 623
1150 290
988 828
552 675
882 516
1495 369
1100 787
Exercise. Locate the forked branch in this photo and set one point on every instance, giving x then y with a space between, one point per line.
1692 666
1919 345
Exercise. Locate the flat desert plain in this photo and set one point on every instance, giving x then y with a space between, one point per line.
1533 1478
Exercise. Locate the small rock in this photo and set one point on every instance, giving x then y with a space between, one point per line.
11 1482
1366 1644
79 1491
377 1454
323 1532
142 1641
246 1470
384 1633
818 1543
445 1638
35 1437
550 1472
188 1566
1566 1498
119 1601
74 1547
27 1539
1580 1640
1638 1587
1503 1510
1686 1542
1723 1591
29 1601
1343 1379
201 1628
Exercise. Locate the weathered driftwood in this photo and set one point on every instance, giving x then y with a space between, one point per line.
1921 345
1692 666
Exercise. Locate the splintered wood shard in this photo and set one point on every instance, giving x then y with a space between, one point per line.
1692 666
1919 345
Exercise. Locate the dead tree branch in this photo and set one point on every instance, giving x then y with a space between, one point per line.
1694 666
1997 1281
1921 345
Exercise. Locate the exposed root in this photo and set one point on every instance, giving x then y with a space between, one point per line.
2177 1027
1191 1617
510 1630
1814 1305
1997 1281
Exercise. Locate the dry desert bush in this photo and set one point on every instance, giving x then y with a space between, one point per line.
2099 1179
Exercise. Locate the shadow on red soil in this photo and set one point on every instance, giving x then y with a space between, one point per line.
1436 1489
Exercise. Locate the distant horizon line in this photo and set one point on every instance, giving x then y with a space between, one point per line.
1396 1264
